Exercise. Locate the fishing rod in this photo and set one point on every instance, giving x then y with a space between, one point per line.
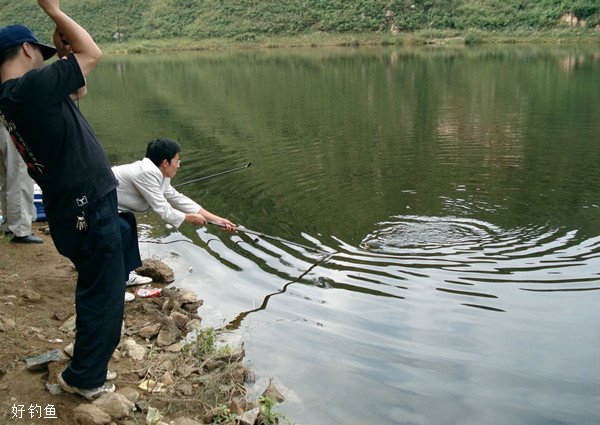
240 228
214 175
243 229
237 321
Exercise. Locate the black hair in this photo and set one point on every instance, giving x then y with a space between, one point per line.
8 54
162 148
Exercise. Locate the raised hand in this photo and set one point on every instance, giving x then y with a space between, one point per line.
63 47
50 6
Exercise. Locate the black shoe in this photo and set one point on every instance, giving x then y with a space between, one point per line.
27 239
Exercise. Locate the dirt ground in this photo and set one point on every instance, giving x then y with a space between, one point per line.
38 268
37 287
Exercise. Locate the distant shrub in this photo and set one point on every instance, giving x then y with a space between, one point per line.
584 9
472 39
247 36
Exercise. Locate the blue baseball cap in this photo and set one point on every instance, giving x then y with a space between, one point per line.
15 35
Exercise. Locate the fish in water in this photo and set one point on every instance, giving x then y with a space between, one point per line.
368 245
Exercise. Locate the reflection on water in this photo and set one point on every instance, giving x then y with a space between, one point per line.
442 209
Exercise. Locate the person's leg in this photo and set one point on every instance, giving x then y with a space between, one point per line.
99 296
3 146
129 239
19 194
131 249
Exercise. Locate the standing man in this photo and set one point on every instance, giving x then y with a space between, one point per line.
66 159
16 193
146 184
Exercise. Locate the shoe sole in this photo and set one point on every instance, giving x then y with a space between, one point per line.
74 390
25 241
137 283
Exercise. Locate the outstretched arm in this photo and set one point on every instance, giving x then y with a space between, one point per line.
220 221
86 50
203 216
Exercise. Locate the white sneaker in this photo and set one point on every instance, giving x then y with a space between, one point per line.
91 394
135 279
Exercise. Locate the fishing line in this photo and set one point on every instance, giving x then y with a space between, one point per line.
220 173
166 243
243 229
235 323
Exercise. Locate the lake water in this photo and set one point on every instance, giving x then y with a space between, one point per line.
471 173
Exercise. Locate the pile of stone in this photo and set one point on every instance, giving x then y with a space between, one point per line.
163 364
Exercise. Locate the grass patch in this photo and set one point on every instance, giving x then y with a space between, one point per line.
224 415
269 416
205 343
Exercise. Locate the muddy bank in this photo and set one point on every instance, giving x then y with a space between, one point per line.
169 368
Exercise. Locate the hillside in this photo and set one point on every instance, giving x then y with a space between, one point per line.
110 20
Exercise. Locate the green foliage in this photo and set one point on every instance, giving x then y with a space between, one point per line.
584 8
205 343
224 415
266 408
226 350
248 20
471 38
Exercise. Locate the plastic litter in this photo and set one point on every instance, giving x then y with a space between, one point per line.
151 386
153 417
148 292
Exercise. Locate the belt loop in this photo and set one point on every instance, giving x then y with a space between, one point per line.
81 201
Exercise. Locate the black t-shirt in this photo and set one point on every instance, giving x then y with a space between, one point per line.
62 153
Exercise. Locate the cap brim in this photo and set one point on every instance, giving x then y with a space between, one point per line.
47 51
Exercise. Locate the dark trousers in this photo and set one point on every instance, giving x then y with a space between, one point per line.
129 240
99 296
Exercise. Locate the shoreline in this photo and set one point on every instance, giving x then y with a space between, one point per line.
558 36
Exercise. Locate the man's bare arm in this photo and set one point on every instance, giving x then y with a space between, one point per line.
86 50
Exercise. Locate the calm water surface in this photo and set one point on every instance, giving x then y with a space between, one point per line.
473 175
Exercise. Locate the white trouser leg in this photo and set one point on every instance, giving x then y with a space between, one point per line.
17 203
2 181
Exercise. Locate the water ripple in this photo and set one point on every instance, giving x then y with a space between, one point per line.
468 261
479 254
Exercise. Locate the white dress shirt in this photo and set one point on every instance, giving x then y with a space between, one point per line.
142 186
